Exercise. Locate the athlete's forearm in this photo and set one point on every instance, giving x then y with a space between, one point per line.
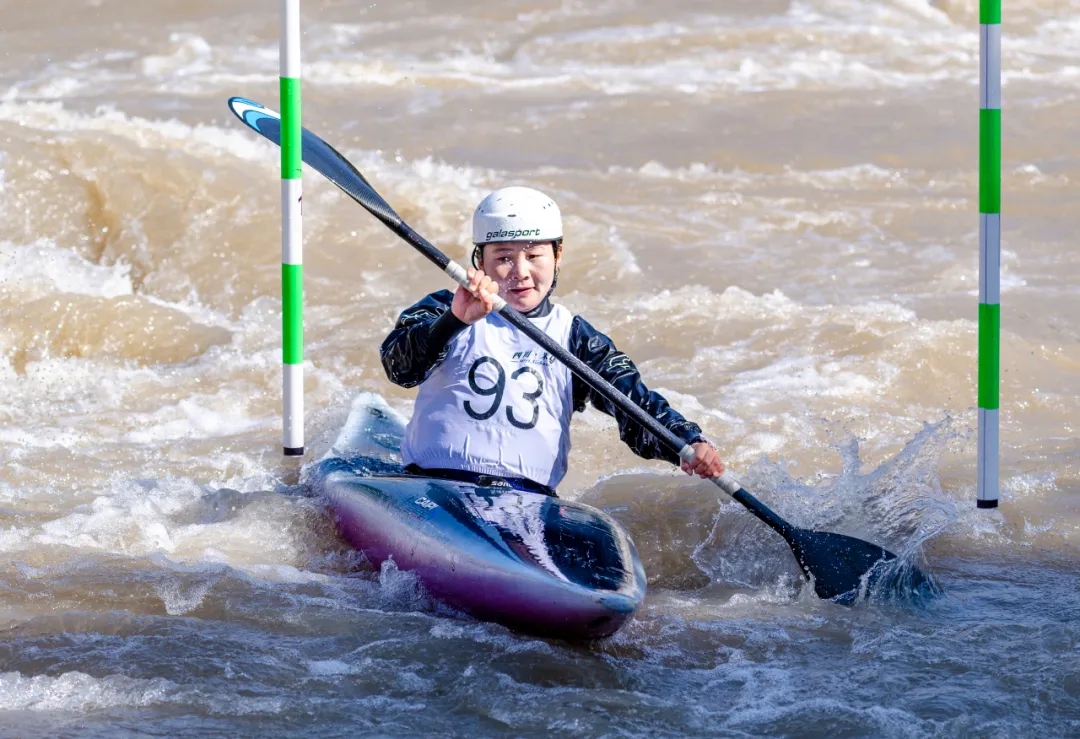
599 352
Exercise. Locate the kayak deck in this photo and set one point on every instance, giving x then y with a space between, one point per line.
532 562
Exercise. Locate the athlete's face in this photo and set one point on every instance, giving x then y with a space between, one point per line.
524 271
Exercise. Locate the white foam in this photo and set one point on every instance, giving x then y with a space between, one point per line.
77 692
191 54
37 270
776 308
332 668
224 415
175 522
282 573
41 438
170 134
845 47
733 303
720 73
182 597
848 377
820 45
964 277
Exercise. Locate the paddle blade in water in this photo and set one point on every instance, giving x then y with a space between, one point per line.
844 568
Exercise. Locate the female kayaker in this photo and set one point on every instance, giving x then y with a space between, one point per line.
494 407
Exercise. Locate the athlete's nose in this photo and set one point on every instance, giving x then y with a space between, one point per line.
521 268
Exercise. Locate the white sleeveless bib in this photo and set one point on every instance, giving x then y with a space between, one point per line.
497 405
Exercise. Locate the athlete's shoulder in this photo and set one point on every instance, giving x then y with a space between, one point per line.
437 302
586 342
441 297
426 309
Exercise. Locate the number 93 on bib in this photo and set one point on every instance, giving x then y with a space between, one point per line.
497 404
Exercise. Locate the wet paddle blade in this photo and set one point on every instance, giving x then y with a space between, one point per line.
844 568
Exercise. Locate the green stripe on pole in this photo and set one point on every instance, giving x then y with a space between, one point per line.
292 314
989 160
989 354
290 133
990 11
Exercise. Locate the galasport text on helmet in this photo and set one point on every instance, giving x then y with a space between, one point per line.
516 214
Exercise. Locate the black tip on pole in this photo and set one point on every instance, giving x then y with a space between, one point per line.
293 451
986 503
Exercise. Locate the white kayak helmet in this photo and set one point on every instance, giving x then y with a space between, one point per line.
516 214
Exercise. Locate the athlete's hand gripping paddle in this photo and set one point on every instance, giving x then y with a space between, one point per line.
840 567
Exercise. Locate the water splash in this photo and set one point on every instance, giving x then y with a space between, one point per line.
183 594
400 590
899 505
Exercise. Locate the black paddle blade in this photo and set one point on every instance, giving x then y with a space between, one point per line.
844 568
320 156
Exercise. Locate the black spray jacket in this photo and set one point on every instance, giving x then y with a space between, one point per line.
420 340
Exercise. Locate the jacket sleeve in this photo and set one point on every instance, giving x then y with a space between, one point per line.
599 352
420 340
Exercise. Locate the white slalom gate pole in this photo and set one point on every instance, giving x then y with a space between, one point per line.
989 249
292 269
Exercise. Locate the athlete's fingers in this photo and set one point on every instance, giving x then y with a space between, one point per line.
463 305
462 294
476 280
713 466
707 462
486 291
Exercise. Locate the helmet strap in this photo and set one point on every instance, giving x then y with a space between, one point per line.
556 246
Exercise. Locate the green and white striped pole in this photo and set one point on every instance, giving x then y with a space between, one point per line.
292 269
989 249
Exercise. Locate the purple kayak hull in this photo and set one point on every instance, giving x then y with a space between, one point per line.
534 563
